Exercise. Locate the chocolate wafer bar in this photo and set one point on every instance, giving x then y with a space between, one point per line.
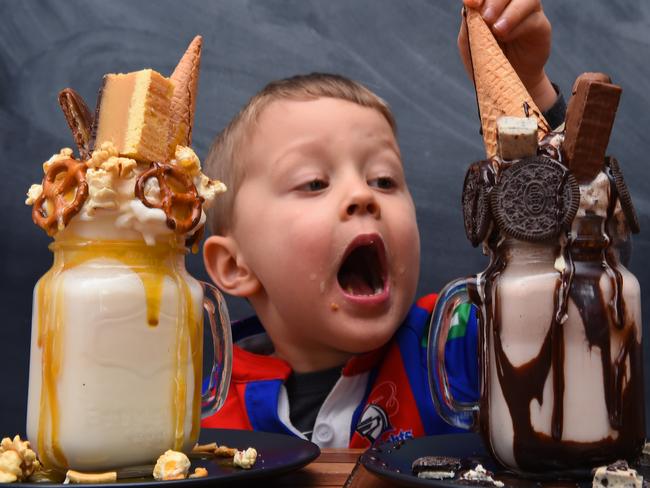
79 119
589 120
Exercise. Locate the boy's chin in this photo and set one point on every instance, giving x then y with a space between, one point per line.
361 345
368 334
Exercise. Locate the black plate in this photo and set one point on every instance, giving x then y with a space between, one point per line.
276 454
393 462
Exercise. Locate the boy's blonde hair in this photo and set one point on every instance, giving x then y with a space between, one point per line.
224 159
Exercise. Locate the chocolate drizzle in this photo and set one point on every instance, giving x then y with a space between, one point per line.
587 266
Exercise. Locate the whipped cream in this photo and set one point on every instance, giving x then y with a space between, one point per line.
111 209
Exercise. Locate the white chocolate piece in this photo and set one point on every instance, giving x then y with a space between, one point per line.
613 477
480 474
517 137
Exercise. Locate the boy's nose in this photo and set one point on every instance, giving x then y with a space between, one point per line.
361 202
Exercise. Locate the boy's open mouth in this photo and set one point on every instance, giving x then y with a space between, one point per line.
363 269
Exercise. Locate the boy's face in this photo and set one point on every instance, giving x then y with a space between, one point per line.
325 221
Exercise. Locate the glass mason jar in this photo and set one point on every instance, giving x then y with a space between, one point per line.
116 355
559 355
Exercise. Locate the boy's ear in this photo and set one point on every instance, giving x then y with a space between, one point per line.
227 267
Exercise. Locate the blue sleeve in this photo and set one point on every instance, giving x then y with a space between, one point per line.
461 354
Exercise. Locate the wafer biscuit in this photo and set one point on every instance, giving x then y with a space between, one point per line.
185 78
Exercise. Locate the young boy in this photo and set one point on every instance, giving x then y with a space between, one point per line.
318 232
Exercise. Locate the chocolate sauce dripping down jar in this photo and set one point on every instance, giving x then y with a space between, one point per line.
559 324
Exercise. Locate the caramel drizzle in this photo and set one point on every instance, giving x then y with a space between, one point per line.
152 264
50 313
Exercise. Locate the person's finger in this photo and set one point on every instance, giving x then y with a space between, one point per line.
515 13
535 27
492 10
476 4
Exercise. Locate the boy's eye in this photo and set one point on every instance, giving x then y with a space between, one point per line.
314 185
383 183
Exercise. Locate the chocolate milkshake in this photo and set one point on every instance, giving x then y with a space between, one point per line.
559 314
561 358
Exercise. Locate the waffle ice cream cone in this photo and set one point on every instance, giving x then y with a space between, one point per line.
498 88
186 79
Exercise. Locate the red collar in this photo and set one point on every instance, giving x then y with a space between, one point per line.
249 366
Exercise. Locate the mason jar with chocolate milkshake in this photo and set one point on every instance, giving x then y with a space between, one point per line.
560 354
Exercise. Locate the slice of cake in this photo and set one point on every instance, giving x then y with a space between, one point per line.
134 114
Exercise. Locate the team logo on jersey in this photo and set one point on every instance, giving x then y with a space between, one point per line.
373 423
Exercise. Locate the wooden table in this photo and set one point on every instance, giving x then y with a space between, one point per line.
332 468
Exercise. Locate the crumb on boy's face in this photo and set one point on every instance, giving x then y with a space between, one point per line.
326 222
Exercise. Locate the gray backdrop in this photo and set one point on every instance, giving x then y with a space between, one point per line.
403 49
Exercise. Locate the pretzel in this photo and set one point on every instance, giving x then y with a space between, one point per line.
77 477
56 188
199 473
170 198
204 448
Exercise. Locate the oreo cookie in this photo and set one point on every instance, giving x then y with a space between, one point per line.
475 201
436 467
623 194
535 199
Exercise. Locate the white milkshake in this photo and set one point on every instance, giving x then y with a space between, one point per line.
117 325
117 336
107 387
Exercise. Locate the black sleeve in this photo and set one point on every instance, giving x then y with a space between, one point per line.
556 113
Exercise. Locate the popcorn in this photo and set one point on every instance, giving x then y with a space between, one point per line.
64 153
208 189
17 460
122 167
10 469
33 193
187 160
106 150
152 191
100 191
172 465
245 459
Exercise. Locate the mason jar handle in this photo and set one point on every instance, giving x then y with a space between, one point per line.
456 413
215 390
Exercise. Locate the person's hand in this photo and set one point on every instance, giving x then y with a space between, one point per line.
524 33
